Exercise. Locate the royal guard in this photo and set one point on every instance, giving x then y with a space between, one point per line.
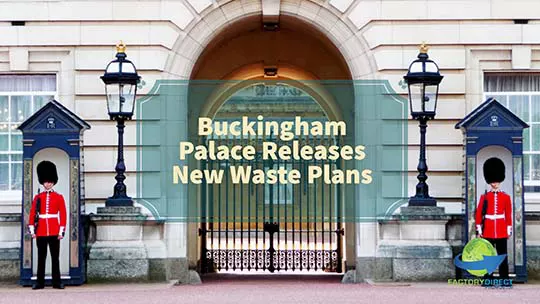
494 212
47 224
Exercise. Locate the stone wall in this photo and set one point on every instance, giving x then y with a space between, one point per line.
402 255
123 251
400 258
427 259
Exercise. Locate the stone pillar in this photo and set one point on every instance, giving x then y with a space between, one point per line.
119 253
532 235
10 243
413 246
175 240
366 245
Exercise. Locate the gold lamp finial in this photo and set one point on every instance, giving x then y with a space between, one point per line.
424 48
121 47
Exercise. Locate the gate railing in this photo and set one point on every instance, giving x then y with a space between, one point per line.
273 227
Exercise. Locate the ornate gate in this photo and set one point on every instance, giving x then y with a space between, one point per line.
271 227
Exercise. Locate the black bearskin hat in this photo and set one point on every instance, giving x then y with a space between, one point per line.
494 170
46 172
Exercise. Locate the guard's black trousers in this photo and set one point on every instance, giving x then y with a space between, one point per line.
501 247
54 245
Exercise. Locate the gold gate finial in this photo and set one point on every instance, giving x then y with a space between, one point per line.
121 47
424 48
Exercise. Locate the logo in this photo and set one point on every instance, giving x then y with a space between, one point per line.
489 263
50 123
479 258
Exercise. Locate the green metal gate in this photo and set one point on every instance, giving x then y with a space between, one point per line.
271 227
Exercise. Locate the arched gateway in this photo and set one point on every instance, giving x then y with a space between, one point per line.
249 67
274 227
275 73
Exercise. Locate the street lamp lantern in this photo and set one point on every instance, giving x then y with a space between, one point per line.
121 81
423 79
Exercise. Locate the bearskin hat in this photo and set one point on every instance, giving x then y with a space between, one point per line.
494 170
46 172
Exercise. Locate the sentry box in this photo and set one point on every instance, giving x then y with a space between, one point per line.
491 130
54 133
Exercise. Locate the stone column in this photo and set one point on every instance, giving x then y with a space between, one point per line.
366 245
532 234
118 254
413 246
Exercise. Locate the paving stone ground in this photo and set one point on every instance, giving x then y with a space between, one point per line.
271 289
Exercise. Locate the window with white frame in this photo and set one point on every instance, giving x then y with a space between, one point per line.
521 94
20 97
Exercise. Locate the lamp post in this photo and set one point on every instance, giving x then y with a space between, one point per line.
121 81
423 79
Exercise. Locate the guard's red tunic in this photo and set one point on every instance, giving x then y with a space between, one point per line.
498 215
52 215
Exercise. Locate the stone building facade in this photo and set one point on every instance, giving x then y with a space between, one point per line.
72 41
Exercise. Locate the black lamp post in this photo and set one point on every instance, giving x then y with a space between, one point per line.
423 79
121 81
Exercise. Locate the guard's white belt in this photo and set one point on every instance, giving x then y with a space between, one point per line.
494 216
45 216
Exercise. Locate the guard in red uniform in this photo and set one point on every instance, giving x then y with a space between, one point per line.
51 225
496 224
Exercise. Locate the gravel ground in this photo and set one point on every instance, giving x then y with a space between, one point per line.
271 289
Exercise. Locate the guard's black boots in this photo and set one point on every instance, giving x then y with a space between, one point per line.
58 286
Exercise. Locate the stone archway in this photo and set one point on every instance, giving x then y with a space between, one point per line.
342 35
216 24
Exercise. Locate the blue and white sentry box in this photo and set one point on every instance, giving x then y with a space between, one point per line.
54 133
492 130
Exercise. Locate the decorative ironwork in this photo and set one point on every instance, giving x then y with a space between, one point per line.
27 178
74 211
471 195
518 211
283 260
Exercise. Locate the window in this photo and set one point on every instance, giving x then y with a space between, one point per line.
521 94
20 97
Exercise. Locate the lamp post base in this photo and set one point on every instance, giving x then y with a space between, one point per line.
422 201
119 202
